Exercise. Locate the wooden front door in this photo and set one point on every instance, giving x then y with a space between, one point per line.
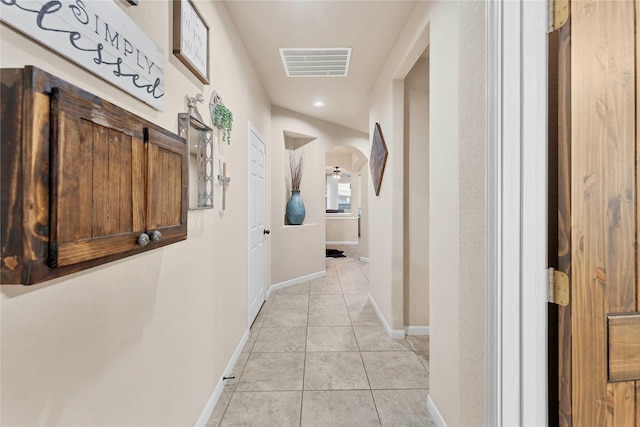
599 332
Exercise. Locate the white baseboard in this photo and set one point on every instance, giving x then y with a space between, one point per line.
342 242
364 259
211 404
393 333
295 281
435 414
417 330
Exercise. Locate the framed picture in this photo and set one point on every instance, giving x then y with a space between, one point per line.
378 158
191 38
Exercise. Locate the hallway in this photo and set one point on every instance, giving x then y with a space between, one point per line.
317 355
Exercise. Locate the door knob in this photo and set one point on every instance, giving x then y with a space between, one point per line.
266 231
155 235
143 240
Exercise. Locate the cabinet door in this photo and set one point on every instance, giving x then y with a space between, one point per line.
97 188
167 184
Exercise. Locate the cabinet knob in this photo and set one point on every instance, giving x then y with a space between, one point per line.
142 240
155 235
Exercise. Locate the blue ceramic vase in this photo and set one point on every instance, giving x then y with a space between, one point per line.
295 209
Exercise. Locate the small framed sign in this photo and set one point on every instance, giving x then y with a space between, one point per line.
191 38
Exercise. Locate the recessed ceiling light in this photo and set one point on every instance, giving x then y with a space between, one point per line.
318 104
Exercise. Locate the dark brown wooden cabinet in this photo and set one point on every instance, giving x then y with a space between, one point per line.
84 182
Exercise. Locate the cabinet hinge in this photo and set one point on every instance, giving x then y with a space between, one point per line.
558 14
558 287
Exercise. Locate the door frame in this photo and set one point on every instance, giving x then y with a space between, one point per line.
516 182
254 130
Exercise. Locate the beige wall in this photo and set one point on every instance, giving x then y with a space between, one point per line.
416 193
365 183
342 229
144 340
471 161
386 211
299 251
386 220
456 211
444 266
341 159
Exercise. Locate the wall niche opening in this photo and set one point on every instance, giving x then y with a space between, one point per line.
294 158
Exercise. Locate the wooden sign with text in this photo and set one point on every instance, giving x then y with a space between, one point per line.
191 38
97 35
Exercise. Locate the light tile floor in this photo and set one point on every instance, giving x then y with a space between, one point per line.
317 355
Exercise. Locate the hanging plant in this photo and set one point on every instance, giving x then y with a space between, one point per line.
223 119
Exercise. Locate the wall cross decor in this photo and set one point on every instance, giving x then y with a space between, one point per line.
224 182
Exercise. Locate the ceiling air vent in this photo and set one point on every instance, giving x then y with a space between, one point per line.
316 62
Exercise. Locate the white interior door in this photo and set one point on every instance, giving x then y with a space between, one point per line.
257 223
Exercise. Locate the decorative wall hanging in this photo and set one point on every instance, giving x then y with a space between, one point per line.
192 103
378 158
191 38
221 116
224 182
98 36
199 138
81 221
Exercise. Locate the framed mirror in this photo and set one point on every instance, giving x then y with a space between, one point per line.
199 138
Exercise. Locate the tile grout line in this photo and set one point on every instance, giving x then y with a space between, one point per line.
375 405
304 360
235 388
364 368
410 348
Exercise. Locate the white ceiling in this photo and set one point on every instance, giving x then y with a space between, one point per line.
370 28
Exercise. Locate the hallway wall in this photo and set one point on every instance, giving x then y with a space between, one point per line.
299 250
416 193
471 162
143 340
454 33
386 210
444 215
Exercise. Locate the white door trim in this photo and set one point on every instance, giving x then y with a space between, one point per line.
493 284
516 212
534 228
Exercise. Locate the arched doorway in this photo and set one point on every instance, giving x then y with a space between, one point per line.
345 195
